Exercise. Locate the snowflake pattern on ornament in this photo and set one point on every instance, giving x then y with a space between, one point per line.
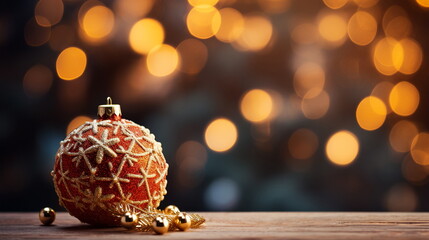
107 162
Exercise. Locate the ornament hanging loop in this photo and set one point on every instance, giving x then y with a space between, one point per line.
109 110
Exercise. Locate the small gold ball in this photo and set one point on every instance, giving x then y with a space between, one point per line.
47 216
182 221
129 220
171 210
160 225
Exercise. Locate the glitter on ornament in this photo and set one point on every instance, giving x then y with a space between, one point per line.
106 162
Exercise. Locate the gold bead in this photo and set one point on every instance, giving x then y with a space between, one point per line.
171 210
129 220
182 221
47 216
160 225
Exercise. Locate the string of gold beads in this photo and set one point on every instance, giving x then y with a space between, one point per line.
158 221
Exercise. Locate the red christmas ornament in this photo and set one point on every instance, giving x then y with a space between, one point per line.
106 162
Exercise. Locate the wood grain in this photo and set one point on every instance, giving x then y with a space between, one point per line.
238 225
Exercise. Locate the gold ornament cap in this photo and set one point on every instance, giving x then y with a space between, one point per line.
109 110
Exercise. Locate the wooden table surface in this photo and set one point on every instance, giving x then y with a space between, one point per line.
238 225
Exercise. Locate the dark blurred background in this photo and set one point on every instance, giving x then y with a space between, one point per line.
260 105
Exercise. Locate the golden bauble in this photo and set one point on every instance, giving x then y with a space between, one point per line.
129 220
182 221
171 210
160 225
47 216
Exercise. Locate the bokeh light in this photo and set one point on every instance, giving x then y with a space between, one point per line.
315 106
203 21
404 98
309 76
335 4
37 80
225 187
362 28
371 113
232 24
305 33
98 23
36 35
333 28
195 3
388 56
420 149
162 60
401 135
413 172
342 148
71 63
133 9
193 55
256 105
145 35
303 144
48 12
412 58
399 27
221 135
256 34
76 122
423 3
382 91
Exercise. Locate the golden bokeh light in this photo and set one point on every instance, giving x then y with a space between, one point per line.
203 21
162 60
193 56
221 135
71 63
191 156
412 171
48 12
309 76
37 80
36 35
382 91
274 6
145 35
402 134
335 4
365 3
133 9
388 56
420 149
86 5
232 24
362 28
391 13
342 148
404 98
333 28
196 3
371 113
76 122
315 106
256 34
303 144
256 105
398 28
423 3
98 22
412 58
